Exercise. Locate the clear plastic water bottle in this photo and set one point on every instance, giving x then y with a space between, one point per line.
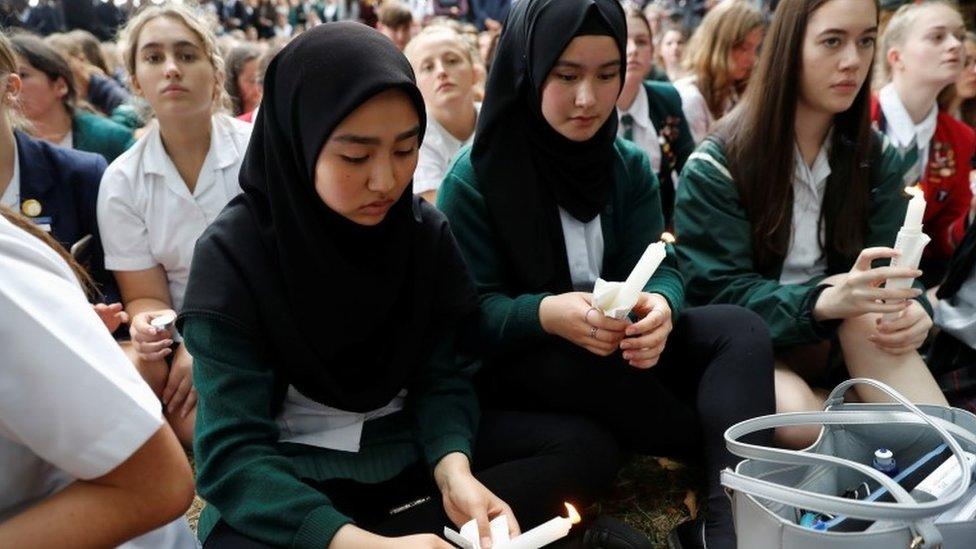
884 461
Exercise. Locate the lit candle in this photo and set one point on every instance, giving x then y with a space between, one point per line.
545 533
916 209
910 242
541 535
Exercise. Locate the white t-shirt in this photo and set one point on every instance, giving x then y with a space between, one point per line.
805 258
146 214
436 154
11 195
72 406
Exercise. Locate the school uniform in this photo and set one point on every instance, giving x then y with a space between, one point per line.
149 217
328 355
943 148
52 433
714 237
96 134
656 123
57 189
697 113
436 154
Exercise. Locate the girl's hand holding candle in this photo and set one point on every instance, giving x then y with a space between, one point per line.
646 338
466 499
573 317
540 536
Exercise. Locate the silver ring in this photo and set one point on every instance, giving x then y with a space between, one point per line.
593 332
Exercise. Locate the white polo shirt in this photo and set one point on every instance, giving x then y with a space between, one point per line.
147 215
436 154
71 404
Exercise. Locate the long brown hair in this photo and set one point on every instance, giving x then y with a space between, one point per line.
707 53
760 139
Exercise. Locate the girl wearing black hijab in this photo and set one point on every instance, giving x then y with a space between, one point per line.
546 201
321 312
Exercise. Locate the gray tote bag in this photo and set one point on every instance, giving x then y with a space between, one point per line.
772 486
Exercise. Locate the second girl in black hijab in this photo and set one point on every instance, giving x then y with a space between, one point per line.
321 313
546 201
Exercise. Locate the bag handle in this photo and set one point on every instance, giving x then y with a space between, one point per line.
906 510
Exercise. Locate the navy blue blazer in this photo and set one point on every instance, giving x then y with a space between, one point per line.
65 184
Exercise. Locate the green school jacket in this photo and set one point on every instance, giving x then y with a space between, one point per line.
714 244
97 134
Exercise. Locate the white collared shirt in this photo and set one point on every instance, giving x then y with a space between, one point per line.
901 130
71 404
305 421
147 215
805 258
11 195
584 249
645 135
436 154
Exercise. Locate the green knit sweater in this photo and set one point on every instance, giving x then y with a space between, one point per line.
256 483
631 220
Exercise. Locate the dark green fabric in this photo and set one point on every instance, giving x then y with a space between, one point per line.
663 102
128 115
255 483
630 221
715 244
657 75
97 134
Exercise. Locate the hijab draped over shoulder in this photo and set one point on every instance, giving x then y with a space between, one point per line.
346 313
525 167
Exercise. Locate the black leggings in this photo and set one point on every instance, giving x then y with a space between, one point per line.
532 461
716 370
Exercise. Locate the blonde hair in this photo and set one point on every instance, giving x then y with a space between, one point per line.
707 53
198 24
897 28
8 66
470 53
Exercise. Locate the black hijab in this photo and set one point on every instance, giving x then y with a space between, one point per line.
527 168
347 313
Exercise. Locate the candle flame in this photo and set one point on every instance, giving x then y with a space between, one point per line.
573 516
667 238
914 190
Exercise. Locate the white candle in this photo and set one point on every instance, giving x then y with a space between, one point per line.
545 533
916 209
631 289
164 321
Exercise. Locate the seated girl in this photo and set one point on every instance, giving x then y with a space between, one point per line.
650 113
547 200
718 61
444 66
325 312
50 101
923 54
157 198
787 206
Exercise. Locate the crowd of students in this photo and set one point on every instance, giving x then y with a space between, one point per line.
351 269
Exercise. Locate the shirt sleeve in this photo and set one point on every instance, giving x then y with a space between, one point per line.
431 168
125 237
240 471
67 391
696 111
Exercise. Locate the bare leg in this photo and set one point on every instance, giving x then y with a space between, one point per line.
906 373
794 395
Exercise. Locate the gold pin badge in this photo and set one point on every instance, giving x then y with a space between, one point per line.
31 208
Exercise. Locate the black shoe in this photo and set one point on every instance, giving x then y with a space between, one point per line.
688 535
606 532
